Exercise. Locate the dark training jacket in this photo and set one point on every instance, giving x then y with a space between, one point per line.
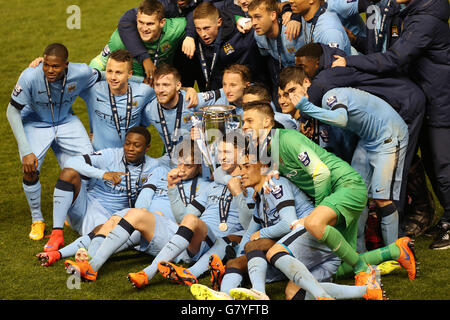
400 92
423 52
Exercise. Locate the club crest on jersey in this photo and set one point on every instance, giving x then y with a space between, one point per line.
291 50
331 101
304 158
17 90
277 192
394 32
228 49
165 46
71 87
135 103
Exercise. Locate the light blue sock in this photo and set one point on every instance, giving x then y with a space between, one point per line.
231 279
201 266
257 269
33 195
300 275
389 223
96 242
71 249
176 245
114 240
62 201
343 292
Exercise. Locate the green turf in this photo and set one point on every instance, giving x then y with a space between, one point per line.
27 27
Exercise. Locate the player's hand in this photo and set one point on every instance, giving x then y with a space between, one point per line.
286 17
351 35
255 236
269 184
293 28
188 47
297 223
339 62
235 186
173 178
149 68
244 25
192 97
115 177
29 163
36 62
296 96
306 129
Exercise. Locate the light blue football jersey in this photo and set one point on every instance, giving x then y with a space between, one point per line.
327 30
101 120
207 203
30 94
151 115
154 195
113 197
284 194
368 116
268 47
347 11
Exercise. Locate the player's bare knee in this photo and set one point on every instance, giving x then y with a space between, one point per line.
238 263
276 248
191 221
70 175
30 178
135 216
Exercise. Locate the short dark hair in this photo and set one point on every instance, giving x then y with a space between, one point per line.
122 55
310 50
143 131
262 106
57 50
260 90
295 74
150 7
165 69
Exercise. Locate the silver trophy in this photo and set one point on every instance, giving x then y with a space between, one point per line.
211 125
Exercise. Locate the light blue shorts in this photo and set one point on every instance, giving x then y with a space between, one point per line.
381 169
66 140
316 256
86 212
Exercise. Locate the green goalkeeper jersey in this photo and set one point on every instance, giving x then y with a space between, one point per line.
164 48
313 169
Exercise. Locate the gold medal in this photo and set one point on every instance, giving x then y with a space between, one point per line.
223 226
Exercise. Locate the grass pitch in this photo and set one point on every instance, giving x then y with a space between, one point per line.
27 28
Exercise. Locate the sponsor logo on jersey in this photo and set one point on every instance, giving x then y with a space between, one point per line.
208 95
304 158
106 52
17 90
291 174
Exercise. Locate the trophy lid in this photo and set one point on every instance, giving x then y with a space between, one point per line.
218 108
